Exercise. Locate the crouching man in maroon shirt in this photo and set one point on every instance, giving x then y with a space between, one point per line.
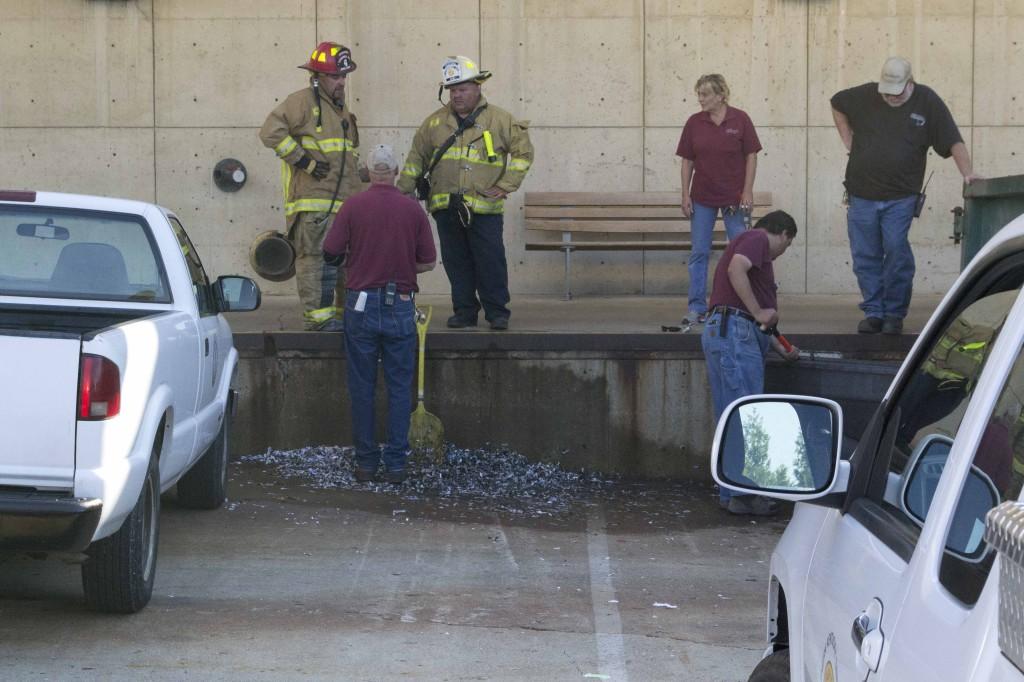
743 304
383 239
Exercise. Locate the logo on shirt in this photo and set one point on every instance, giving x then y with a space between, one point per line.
918 120
732 131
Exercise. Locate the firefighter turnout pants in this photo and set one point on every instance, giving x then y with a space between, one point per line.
321 286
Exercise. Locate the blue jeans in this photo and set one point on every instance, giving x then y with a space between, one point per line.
474 260
735 367
384 335
882 259
702 224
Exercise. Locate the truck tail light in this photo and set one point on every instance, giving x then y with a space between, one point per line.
99 388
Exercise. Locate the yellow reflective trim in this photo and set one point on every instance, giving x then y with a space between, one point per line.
520 165
439 202
411 170
286 178
481 205
978 345
326 145
471 155
314 205
286 146
322 314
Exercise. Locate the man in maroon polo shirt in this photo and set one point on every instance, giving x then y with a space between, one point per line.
743 301
383 239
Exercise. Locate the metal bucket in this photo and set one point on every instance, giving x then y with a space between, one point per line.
272 256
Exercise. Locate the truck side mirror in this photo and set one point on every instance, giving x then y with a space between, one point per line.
236 294
979 495
781 446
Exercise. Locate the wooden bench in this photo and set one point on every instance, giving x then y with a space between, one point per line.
580 216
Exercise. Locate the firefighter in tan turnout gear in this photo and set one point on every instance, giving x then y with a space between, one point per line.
317 140
465 159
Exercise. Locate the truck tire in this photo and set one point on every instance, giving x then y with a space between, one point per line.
773 668
118 573
205 485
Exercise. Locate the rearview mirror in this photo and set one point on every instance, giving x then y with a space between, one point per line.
236 294
45 230
782 446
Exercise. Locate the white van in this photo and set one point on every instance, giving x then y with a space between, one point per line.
886 571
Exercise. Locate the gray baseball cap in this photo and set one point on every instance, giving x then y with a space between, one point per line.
895 75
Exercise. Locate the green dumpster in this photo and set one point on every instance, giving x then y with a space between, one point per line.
988 206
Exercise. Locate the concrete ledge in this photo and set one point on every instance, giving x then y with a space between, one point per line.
631 404
851 346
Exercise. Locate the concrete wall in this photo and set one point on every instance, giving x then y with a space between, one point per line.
140 98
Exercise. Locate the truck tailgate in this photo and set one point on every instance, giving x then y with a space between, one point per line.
39 376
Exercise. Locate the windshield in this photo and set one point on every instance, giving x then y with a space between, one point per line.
78 254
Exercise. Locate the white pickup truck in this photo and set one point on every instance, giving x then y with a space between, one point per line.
117 369
904 559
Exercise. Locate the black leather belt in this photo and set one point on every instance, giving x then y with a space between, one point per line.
726 310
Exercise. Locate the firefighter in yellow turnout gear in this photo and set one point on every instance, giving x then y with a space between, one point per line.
472 155
316 137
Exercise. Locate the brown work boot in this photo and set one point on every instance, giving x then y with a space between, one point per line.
892 325
364 475
870 325
459 322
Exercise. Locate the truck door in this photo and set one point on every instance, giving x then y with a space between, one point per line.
949 617
207 422
867 559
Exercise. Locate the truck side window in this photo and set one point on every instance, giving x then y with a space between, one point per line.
200 282
999 462
934 397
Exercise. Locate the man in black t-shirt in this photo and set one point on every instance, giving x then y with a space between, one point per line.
888 127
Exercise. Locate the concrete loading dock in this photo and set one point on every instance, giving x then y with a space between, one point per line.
589 383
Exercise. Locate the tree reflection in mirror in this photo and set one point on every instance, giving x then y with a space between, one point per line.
238 293
778 445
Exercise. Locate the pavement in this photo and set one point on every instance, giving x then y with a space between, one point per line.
800 314
651 581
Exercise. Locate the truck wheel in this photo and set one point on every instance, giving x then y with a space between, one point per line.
773 668
117 576
205 485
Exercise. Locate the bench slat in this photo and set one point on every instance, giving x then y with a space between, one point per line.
620 246
677 226
596 213
619 199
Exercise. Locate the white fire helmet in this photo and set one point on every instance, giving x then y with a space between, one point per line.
459 69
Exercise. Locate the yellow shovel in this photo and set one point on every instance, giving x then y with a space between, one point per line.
426 433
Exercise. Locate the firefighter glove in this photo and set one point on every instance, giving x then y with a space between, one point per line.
318 169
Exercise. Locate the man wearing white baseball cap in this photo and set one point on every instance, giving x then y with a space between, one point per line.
888 127
383 237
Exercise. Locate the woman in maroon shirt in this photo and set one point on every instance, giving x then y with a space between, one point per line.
719 149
